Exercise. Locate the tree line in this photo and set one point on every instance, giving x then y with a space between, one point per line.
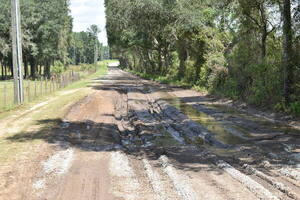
85 47
47 38
238 48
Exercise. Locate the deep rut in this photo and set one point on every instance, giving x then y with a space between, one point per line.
157 115
130 144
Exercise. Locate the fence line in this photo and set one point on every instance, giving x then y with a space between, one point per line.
37 88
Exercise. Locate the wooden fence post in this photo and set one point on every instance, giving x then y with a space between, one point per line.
62 81
46 86
35 88
41 87
4 95
28 92
72 75
50 86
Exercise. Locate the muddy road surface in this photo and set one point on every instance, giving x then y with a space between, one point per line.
132 139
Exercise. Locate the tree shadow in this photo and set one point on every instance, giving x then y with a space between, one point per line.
266 145
91 136
87 136
100 137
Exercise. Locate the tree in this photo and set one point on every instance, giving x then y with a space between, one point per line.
94 31
287 50
259 13
85 46
232 47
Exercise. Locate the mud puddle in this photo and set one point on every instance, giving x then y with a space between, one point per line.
244 133
274 127
165 139
242 127
211 124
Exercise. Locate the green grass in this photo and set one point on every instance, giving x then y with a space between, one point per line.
101 71
35 90
32 89
168 80
13 148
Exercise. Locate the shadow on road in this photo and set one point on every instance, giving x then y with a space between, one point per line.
92 136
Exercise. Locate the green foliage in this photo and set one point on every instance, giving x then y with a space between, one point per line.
46 31
280 107
57 68
295 108
230 48
86 48
200 88
87 67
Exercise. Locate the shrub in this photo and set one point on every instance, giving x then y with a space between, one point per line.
57 68
295 108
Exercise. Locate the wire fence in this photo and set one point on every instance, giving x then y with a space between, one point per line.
34 89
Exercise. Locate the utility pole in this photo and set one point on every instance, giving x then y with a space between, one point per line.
96 50
17 51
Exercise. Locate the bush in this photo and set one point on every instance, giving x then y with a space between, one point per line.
58 68
87 67
295 108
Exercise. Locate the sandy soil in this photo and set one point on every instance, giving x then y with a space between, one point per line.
126 141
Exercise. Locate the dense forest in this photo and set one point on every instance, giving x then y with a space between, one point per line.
47 38
240 49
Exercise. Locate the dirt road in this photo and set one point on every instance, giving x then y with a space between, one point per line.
131 139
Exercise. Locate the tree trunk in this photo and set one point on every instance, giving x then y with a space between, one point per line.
26 72
40 70
264 44
134 61
47 70
264 53
2 71
287 50
5 71
264 32
32 68
182 55
160 63
11 71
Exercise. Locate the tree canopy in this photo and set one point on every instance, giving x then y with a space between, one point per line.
238 48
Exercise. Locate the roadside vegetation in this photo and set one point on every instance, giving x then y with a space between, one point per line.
244 50
35 90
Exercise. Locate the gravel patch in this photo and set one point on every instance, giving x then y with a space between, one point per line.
183 188
155 181
278 185
289 172
59 163
252 185
125 184
40 184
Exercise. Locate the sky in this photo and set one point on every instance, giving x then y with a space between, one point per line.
88 12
